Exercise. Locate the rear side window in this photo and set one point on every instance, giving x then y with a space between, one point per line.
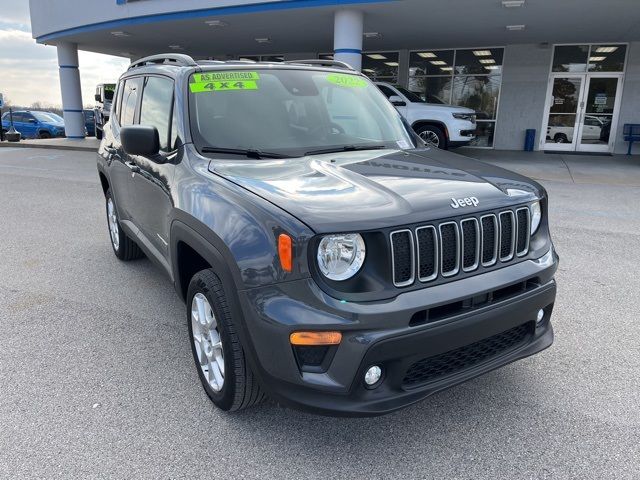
155 109
117 104
132 88
386 90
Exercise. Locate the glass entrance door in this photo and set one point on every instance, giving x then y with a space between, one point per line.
598 117
582 112
563 112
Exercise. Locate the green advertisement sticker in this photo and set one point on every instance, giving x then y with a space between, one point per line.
224 76
351 81
200 87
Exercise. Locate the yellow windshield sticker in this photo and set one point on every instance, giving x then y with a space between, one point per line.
351 81
199 87
224 76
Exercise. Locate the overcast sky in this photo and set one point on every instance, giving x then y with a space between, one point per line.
29 71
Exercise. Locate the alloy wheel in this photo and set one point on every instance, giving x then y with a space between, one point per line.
114 229
430 138
207 341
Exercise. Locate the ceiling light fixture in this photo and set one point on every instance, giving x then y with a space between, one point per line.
216 23
263 40
175 47
596 59
372 35
515 28
606 49
487 60
376 56
512 3
446 69
491 67
427 54
120 33
482 53
391 64
437 62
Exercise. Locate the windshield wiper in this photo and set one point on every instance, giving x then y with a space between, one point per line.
249 152
345 148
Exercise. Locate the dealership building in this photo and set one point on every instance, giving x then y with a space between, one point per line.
568 69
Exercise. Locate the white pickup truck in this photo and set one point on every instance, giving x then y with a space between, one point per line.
444 126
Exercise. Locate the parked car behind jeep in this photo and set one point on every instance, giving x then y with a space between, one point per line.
437 123
328 259
102 110
34 124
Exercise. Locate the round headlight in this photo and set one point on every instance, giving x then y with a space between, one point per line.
536 216
341 256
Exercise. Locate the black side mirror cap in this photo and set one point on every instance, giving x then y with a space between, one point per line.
140 140
97 97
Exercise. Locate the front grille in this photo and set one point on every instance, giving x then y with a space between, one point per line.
402 254
454 361
449 248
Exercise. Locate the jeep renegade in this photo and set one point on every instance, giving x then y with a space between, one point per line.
328 258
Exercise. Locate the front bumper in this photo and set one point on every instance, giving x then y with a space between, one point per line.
378 333
461 131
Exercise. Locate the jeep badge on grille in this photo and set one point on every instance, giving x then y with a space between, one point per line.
464 202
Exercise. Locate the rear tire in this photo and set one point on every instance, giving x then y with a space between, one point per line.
215 343
98 133
123 247
433 136
560 138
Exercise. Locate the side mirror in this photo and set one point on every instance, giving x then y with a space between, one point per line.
97 97
397 101
140 140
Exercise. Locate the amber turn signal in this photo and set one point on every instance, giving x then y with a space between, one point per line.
315 338
285 252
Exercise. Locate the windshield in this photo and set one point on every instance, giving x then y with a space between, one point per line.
292 112
46 117
108 91
415 98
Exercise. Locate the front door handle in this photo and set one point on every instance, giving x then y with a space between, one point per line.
133 167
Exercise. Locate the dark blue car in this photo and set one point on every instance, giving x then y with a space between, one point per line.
89 122
34 124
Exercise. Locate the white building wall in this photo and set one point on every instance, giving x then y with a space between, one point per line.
630 104
522 96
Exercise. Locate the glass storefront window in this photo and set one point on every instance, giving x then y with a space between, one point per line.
479 61
467 77
570 58
607 58
479 92
381 66
432 89
436 62
484 134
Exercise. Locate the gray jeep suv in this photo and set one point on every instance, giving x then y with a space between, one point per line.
328 258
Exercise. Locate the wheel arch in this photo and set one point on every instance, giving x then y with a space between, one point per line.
192 252
434 123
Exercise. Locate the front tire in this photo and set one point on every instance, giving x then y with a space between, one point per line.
217 351
433 136
124 248
44 135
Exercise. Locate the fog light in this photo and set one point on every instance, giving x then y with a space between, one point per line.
373 375
540 317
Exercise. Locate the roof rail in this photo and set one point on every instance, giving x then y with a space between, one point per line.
178 59
323 63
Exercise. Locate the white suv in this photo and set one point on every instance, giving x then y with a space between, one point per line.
444 126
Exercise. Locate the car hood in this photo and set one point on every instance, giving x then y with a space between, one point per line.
366 190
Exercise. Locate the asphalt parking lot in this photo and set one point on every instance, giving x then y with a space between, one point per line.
97 378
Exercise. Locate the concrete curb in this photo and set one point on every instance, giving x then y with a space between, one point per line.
65 146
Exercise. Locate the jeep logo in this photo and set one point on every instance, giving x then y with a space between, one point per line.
464 202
